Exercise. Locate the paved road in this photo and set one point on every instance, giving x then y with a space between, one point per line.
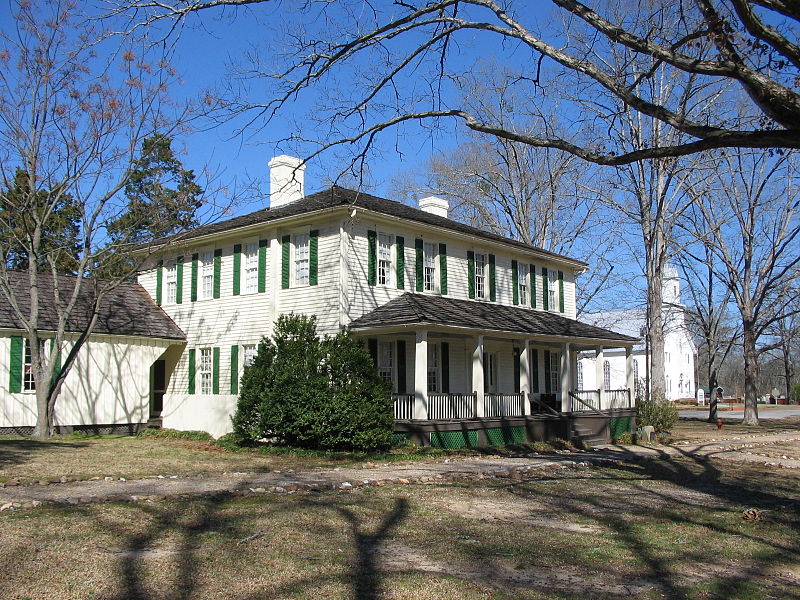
764 412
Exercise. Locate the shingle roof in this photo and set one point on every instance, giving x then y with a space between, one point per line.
125 310
335 197
421 309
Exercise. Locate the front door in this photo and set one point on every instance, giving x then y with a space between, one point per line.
158 377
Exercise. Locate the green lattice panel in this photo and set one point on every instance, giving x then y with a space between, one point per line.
454 439
619 425
502 436
400 439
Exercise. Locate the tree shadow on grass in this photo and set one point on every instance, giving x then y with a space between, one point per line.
15 452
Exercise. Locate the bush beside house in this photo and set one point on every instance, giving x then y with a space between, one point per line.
314 393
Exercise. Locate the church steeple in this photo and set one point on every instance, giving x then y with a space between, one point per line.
671 286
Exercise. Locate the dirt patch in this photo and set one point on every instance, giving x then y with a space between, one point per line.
511 511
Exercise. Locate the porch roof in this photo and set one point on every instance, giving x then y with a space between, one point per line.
420 309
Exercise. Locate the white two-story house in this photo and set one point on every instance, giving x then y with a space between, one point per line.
476 332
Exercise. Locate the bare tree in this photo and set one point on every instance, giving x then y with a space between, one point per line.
708 314
73 116
786 332
748 215
391 64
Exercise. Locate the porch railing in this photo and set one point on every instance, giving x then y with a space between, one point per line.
452 406
403 407
599 400
503 405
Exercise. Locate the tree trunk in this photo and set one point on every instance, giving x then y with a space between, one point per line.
43 427
655 331
750 373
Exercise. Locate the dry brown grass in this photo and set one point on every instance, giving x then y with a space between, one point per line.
701 431
674 529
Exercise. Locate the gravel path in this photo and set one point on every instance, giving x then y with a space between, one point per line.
739 448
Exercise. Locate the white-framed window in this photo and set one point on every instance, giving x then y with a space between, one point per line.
429 267
555 371
669 384
606 375
635 370
249 354
580 375
28 384
433 367
251 268
205 369
172 282
301 258
207 275
384 259
480 275
666 357
552 289
522 283
386 361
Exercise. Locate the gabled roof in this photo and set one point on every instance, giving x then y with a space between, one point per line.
336 197
126 310
421 309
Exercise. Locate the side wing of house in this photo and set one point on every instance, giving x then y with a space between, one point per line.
109 387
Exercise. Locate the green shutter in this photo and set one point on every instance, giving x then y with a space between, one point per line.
372 257
443 268
193 291
159 280
313 257
561 291
237 268
535 360
515 281
234 369
15 365
401 262
545 290
217 271
262 266
191 370
547 368
285 250
517 370
401 367
492 278
56 357
215 370
445 356
471 272
179 281
532 270
419 266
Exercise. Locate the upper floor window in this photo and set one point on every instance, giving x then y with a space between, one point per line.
429 268
207 275
251 268
172 282
301 256
522 283
384 258
480 275
205 370
552 289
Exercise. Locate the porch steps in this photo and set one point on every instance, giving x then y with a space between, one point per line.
587 436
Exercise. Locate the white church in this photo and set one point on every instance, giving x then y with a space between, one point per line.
679 349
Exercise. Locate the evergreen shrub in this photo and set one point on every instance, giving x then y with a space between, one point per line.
322 394
658 413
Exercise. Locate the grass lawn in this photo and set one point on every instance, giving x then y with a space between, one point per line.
664 529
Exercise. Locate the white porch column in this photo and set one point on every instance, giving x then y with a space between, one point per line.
599 374
477 372
566 376
629 372
525 375
421 375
